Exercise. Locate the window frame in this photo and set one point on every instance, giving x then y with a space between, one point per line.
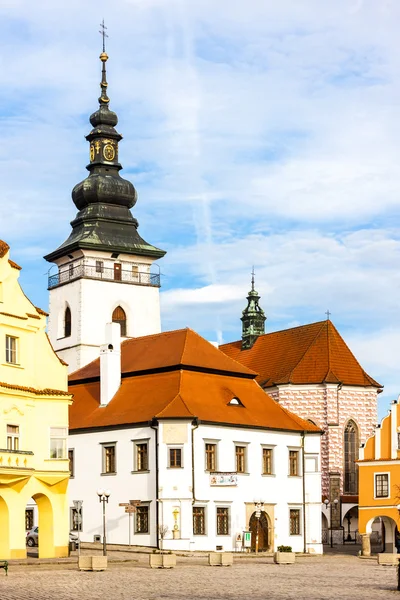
211 454
244 446
228 520
13 437
172 449
145 505
203 522
298 462
99 266
263 471
104 448
376 475
12 352
136 443
296 509
58 436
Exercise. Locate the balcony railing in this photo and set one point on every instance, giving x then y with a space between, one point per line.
105 273
15 459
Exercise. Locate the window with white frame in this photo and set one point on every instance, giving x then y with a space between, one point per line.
199 520
222 520
58 442
294 463
109 458
267 461
12 437
241 458
382 485
294 521
211 456
175 458
140 455
142 515
11 350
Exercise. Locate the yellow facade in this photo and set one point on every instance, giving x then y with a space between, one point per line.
379 480
33 424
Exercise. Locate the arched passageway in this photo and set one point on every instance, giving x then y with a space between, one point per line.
4 530
263 528
350 524
385 529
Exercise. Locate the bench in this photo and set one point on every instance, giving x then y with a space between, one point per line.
4 565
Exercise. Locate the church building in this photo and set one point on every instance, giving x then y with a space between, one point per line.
311 371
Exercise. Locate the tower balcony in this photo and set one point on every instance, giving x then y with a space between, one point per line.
16 460
83 271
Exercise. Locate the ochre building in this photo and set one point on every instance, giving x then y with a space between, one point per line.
33 423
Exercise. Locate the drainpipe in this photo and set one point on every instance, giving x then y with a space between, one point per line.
155 427
195 425
303 460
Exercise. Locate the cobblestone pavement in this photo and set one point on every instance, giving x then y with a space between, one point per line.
310 578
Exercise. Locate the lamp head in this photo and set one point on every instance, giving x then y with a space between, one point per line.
100 492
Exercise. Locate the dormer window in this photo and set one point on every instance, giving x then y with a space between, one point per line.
235 402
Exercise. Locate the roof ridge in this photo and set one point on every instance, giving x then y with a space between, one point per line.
277 331
297 419
307 349
151 335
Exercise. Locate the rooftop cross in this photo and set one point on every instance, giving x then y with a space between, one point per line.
252 278
328 314
103 33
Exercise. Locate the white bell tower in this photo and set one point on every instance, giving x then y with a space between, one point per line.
105 270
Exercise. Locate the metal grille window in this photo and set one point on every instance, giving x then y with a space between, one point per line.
11 349
58 442
142 519
71 459
293 463
119 316
222 521
28 519
382 486
199 527
175 458
142 457
240 459
211 455
109 462
12 437
294 519
267 461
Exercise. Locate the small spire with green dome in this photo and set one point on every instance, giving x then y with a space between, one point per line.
253 319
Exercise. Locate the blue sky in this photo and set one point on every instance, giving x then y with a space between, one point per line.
256 133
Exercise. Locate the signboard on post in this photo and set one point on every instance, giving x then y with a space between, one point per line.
135 502
123 504
247 539
130 509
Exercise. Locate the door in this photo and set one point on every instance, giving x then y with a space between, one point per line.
117 271
261 525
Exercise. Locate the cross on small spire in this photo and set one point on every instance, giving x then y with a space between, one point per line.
103 33
328 314
252 278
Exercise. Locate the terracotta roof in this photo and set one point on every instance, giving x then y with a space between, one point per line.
6 314
4 248
202 386
182 394
41 312
14 265
31 390
172 349
314 353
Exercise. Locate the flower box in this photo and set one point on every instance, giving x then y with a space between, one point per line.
220 559
162 561
92 563
385 558
284 558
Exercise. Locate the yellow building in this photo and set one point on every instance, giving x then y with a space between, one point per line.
379 482
33 423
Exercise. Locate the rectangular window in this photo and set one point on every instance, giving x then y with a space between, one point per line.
240 459
382 486
71 271
211 457
142 519
293 463
109 458
142 456
12 437
199 524
11 349
222 521
58 442
99 266
267 461
135 272
71 459
175 458
294 521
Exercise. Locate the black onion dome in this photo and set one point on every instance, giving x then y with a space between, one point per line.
105 189
104 116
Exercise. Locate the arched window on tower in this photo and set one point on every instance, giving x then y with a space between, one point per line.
67 322
119 316
351 444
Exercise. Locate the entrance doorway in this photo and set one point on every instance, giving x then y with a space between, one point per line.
264 530
117 271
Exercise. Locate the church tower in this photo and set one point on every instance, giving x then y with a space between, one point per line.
253 319
104 269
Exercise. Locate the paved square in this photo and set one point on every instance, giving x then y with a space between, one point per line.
322 578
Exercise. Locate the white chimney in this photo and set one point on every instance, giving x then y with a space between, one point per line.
110 363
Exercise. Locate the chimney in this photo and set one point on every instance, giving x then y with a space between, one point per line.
110 363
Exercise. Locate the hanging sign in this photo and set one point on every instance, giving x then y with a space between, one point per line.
223 479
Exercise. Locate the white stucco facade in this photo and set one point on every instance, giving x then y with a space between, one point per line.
173 492
92 285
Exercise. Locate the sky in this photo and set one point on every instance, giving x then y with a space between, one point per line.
256 133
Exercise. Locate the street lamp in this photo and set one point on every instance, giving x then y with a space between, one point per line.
334 503
103 497
259 505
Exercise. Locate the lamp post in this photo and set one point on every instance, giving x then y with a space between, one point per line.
334 503
259 505
103 497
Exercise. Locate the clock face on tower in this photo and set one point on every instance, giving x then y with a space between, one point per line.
108 152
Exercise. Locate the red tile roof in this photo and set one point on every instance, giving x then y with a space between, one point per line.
202 386
14 265
4 248
309 354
